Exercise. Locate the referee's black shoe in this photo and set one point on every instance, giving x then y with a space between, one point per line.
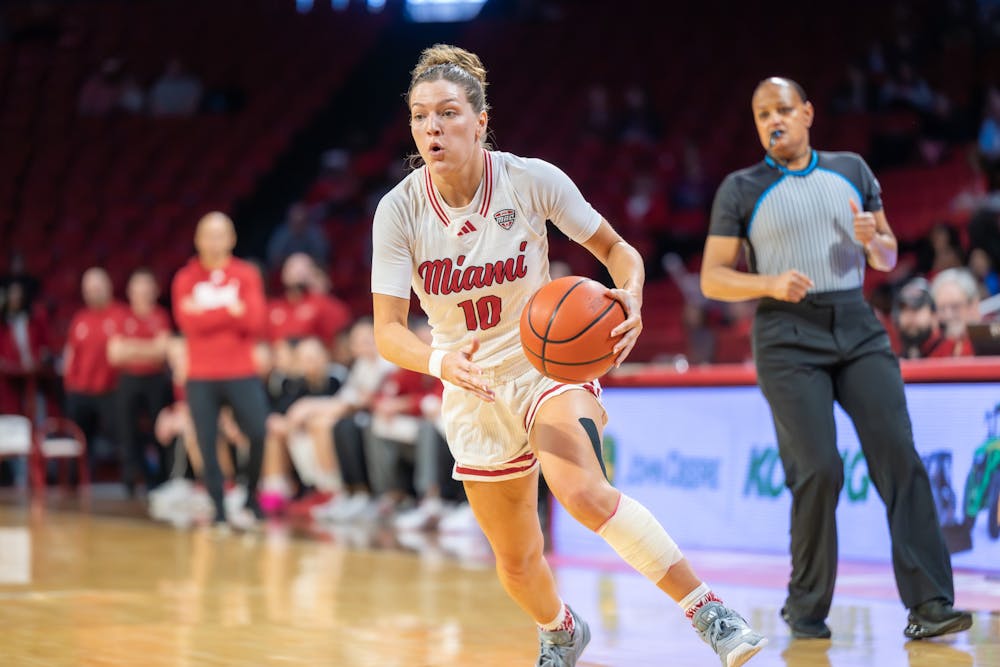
936 617
806 629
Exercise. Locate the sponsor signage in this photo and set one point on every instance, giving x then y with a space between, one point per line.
705 462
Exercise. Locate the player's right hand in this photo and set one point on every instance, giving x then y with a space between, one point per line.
791 286
458 369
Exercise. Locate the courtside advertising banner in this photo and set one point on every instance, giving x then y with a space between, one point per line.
705 462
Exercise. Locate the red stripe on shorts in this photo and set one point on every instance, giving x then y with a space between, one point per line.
529 418
492 473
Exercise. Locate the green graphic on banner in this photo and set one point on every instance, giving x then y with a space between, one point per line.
766 476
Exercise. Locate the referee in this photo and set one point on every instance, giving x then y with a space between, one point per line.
809 221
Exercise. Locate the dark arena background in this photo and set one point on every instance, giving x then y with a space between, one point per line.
124 122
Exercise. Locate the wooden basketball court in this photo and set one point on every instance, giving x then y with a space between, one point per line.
81 588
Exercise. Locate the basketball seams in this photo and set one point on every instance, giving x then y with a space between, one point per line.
552 319
569 363
593 322
537 342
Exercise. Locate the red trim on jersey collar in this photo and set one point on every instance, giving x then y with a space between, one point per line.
432 196
488 176
487 190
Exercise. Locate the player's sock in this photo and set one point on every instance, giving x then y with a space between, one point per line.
696 599
562 622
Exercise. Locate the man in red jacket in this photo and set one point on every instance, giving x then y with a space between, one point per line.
139 353
218 303
89 378
304 311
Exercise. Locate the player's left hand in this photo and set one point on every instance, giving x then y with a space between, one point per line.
630 329
864 224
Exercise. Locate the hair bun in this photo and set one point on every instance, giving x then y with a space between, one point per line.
446 54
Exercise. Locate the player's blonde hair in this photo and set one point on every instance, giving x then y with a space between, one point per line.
451 63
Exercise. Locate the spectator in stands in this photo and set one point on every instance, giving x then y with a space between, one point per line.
639 123
24 349
989 138
139 353
397 418
89 377
941 127
304 310
337 190
311 375
645 207
907 90
956 297
693 190
131 97
916 322
17 271
598 119
300 233
101 92
443 501
852 94
982 268
984 226
940 250
218 303
337 426
176 93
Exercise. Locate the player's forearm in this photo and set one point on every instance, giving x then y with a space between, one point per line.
725 284
399 345
882 252
142 350
625 265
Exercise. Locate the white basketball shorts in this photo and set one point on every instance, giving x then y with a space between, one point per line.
490 440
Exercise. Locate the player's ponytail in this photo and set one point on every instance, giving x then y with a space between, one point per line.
461 67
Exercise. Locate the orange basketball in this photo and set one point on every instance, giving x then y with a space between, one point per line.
566 329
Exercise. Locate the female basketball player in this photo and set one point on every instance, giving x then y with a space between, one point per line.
467 232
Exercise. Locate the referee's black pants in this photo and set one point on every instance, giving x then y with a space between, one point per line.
831 347
249 403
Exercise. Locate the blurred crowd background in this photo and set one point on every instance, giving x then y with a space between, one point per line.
122 122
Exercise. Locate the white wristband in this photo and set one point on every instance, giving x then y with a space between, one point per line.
434 364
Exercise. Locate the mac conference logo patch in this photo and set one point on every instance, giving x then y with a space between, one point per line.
505 218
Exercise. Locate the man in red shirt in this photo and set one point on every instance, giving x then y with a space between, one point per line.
304 311
139 352
218 303
89 378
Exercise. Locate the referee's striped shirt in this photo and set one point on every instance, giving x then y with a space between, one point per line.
800 219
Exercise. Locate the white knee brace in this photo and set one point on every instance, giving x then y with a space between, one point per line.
640 540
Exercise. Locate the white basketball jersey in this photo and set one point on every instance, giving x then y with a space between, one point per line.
475 268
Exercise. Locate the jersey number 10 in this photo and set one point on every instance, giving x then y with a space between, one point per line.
483 314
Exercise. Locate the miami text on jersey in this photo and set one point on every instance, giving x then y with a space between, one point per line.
441 276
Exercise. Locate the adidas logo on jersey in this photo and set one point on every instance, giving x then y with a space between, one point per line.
466 228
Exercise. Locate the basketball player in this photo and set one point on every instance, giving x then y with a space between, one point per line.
467 232
811 221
